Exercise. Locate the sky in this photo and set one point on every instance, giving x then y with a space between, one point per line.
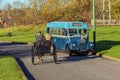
4 2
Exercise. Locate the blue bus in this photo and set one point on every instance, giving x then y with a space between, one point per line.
71 37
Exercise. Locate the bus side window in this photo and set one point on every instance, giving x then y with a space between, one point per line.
64 32
55 31
51 30
60 31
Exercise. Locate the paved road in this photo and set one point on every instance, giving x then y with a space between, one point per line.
70 68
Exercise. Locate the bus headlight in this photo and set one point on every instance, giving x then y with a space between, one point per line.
91 44
73 45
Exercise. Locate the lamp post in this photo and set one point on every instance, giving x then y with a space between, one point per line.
94 25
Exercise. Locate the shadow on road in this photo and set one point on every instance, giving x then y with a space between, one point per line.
25 70
77 58
11 43
15 49
67 59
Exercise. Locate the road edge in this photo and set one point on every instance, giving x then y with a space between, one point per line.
24 70
23 74
108 57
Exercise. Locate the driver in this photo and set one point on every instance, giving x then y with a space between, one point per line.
39 37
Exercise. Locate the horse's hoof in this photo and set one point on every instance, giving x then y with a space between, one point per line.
41 60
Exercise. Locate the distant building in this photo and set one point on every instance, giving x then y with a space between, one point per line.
2 12
6 21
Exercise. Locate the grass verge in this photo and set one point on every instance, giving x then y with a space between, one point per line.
23 33
9 69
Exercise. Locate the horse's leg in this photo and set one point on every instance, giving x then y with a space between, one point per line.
40 57
42 54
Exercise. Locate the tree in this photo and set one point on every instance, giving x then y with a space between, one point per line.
58 10
115 9
48 11
18 4
8 9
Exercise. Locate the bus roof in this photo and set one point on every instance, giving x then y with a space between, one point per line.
75 25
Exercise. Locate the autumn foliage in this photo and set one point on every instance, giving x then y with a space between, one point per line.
43 11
